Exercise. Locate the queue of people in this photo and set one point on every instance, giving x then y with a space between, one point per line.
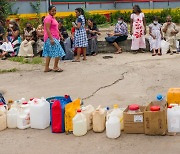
52 40
157 32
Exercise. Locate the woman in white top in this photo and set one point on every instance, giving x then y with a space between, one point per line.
155 36
138 29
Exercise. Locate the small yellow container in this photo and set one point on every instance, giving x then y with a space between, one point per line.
173 96
70 112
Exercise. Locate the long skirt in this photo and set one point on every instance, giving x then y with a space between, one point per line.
53 51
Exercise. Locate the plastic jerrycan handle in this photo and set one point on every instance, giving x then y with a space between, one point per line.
5 106
98 107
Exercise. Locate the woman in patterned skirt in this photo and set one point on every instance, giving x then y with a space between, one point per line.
80 37
52 47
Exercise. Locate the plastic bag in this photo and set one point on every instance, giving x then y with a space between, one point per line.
7 47
164 47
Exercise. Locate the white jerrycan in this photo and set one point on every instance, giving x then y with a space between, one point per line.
40 113
117 112
23 116
113 127
87 111
12 117
173 119
3 107
79 124
3 123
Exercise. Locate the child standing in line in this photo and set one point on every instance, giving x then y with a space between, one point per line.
138 29
80 36
155 36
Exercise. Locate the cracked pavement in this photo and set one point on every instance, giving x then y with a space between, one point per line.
123 79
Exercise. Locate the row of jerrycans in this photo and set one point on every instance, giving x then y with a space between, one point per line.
98 119
22 115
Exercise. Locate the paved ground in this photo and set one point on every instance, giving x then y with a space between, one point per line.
124 79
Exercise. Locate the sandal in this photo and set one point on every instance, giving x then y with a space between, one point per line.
154 54
58 70
119 51
76 61
159 54
45 71
84 59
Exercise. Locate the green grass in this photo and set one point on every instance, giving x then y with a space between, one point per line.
22 60
8 70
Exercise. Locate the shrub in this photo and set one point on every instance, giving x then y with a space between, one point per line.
149 16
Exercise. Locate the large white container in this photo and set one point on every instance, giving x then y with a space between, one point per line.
87 111
12 117
173 119
113 127
99 119
40 113
79 124
23 116
3 123
117 112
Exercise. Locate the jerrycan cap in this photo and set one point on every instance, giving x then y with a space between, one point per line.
115 106
24 103
31 99
155 108
79 110
133 107
66 96
1 103
159 97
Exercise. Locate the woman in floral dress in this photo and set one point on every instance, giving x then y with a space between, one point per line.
138 29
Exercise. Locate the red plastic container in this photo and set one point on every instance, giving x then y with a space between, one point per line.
56 117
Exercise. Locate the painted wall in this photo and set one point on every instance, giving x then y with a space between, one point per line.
25 8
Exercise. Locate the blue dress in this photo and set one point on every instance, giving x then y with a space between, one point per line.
53 51
80 37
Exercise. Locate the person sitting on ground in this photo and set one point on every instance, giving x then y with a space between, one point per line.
29 30
63 33
92 32
2 32
26 48
170 30
138 29
155 36
40 37
120 34
12 41
65 41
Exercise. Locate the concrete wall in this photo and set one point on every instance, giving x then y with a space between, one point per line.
25 8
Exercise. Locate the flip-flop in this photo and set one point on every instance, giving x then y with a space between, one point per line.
154 54
48 71
159 54
119 51
76 61
58 70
